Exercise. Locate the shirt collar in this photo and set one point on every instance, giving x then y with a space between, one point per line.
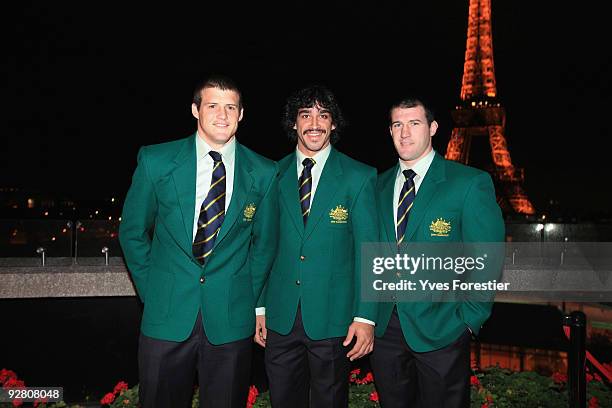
420 167
227 151
320 157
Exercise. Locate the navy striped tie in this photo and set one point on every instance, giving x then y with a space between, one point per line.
212 212
305 187
406 199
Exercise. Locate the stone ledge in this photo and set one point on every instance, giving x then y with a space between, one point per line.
85 279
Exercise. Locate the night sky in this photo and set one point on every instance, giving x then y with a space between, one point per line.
85 84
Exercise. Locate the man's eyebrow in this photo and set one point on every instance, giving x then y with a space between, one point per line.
302 110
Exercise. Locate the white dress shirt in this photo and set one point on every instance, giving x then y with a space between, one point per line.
420 168
204 164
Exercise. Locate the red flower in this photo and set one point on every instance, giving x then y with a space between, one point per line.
369 377
14 383
6 375
40 401
597 377
107 399
559 378
374 396
253 393
353 377
589 377
593 402
18 402
474 381
121 386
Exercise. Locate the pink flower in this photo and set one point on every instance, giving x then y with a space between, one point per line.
107 399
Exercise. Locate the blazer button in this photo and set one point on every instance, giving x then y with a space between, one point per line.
297 282
202 279
302 257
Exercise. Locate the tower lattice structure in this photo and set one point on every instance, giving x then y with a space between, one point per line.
480 117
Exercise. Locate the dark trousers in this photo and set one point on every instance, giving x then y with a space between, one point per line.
435 379
167 370
304 372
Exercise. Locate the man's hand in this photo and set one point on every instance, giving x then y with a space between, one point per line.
365 340
260 330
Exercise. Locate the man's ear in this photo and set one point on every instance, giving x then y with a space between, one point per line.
241 114
433 128
194 111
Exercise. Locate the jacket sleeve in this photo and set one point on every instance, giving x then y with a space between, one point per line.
365 230
265 238
137 222
482 224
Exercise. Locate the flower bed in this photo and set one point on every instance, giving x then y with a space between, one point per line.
493 387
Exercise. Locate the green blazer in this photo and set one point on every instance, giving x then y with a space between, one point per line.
156 237
464 197
318 266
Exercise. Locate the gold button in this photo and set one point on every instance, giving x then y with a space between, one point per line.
202 279
302 257
399 274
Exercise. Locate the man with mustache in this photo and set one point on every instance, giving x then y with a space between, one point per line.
311 309
422 354
199 231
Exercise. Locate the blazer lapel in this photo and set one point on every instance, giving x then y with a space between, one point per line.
184 176
435 175
326 190
288 187
387 206
243 181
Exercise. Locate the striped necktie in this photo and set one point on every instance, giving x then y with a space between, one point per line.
406 199
305 187
212 211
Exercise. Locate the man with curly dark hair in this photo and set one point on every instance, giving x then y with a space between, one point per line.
311 318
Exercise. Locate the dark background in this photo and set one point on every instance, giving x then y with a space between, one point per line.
85 84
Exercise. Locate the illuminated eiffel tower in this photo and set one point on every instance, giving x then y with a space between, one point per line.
480 120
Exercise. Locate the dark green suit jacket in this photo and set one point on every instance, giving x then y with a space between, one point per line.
318 266
464 197
156 236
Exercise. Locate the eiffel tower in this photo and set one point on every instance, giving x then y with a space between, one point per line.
479 116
